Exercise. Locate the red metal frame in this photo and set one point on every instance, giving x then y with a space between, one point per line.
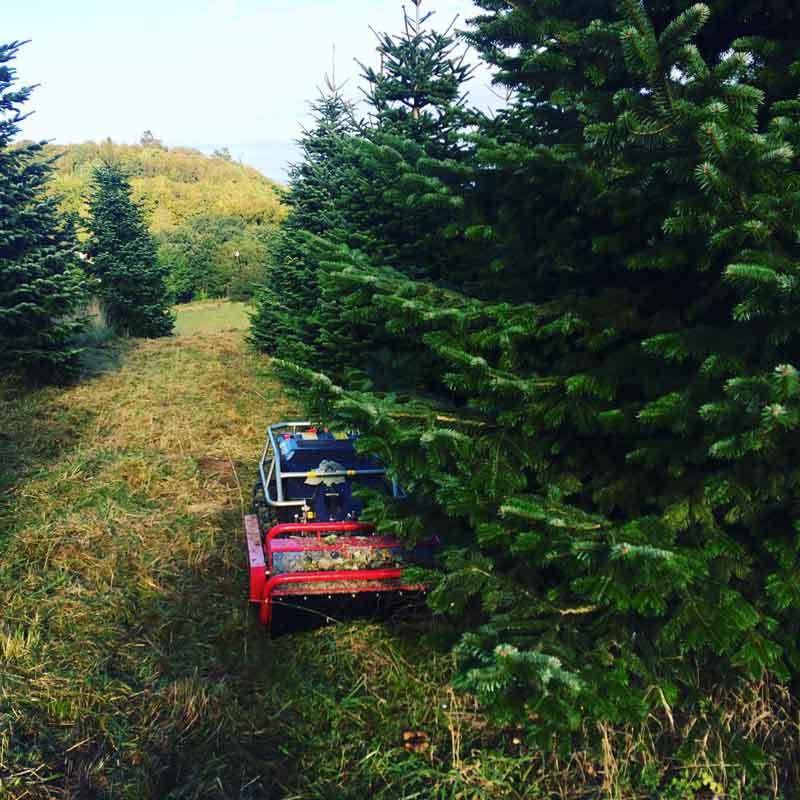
263 589
265 612
319 527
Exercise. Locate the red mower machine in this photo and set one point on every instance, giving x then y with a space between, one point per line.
305 542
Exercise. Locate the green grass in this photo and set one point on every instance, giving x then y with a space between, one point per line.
211 316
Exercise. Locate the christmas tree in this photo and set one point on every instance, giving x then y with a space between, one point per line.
346 190
282 324
607 450
417 115
392 212
123 258
41 285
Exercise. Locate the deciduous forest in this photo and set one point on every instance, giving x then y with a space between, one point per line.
568 330
202 210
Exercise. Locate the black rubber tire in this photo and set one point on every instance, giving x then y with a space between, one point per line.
266 515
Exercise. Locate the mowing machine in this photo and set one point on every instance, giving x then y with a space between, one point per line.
305 542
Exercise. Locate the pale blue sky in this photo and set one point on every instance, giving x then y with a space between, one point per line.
198 73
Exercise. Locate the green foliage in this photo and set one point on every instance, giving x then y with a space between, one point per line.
289 293
417 92
214 256
41 285
592 395
201 210
122 257
364 188
401 171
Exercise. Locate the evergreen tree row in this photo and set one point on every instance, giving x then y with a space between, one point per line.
570 330
41 290
44 290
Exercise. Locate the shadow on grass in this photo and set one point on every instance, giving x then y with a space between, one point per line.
238 714
36 429
34 426
204 719
253 688
103 352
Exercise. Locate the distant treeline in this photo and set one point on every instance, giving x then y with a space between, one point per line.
212 217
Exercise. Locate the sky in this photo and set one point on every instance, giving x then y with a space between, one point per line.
199 73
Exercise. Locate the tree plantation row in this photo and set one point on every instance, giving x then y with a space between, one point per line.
74 227
569 328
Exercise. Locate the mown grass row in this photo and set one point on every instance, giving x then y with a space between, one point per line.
131 666
130 663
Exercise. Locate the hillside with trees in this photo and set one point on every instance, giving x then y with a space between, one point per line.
202 210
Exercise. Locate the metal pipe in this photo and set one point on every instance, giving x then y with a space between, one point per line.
275 466
276 463
339 473
317 527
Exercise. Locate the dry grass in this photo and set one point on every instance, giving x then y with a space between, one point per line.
132 668
130 663
119 543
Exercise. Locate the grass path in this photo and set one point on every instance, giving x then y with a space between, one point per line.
211 316
130 663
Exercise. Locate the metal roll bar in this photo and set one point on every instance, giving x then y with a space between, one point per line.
318 527
271 450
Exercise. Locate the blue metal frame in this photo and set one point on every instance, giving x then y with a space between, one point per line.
271 453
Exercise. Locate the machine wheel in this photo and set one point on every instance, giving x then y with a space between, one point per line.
266 515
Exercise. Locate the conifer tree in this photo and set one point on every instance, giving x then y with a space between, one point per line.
41 285
417 112
393 214
610 440
282 324
123 258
